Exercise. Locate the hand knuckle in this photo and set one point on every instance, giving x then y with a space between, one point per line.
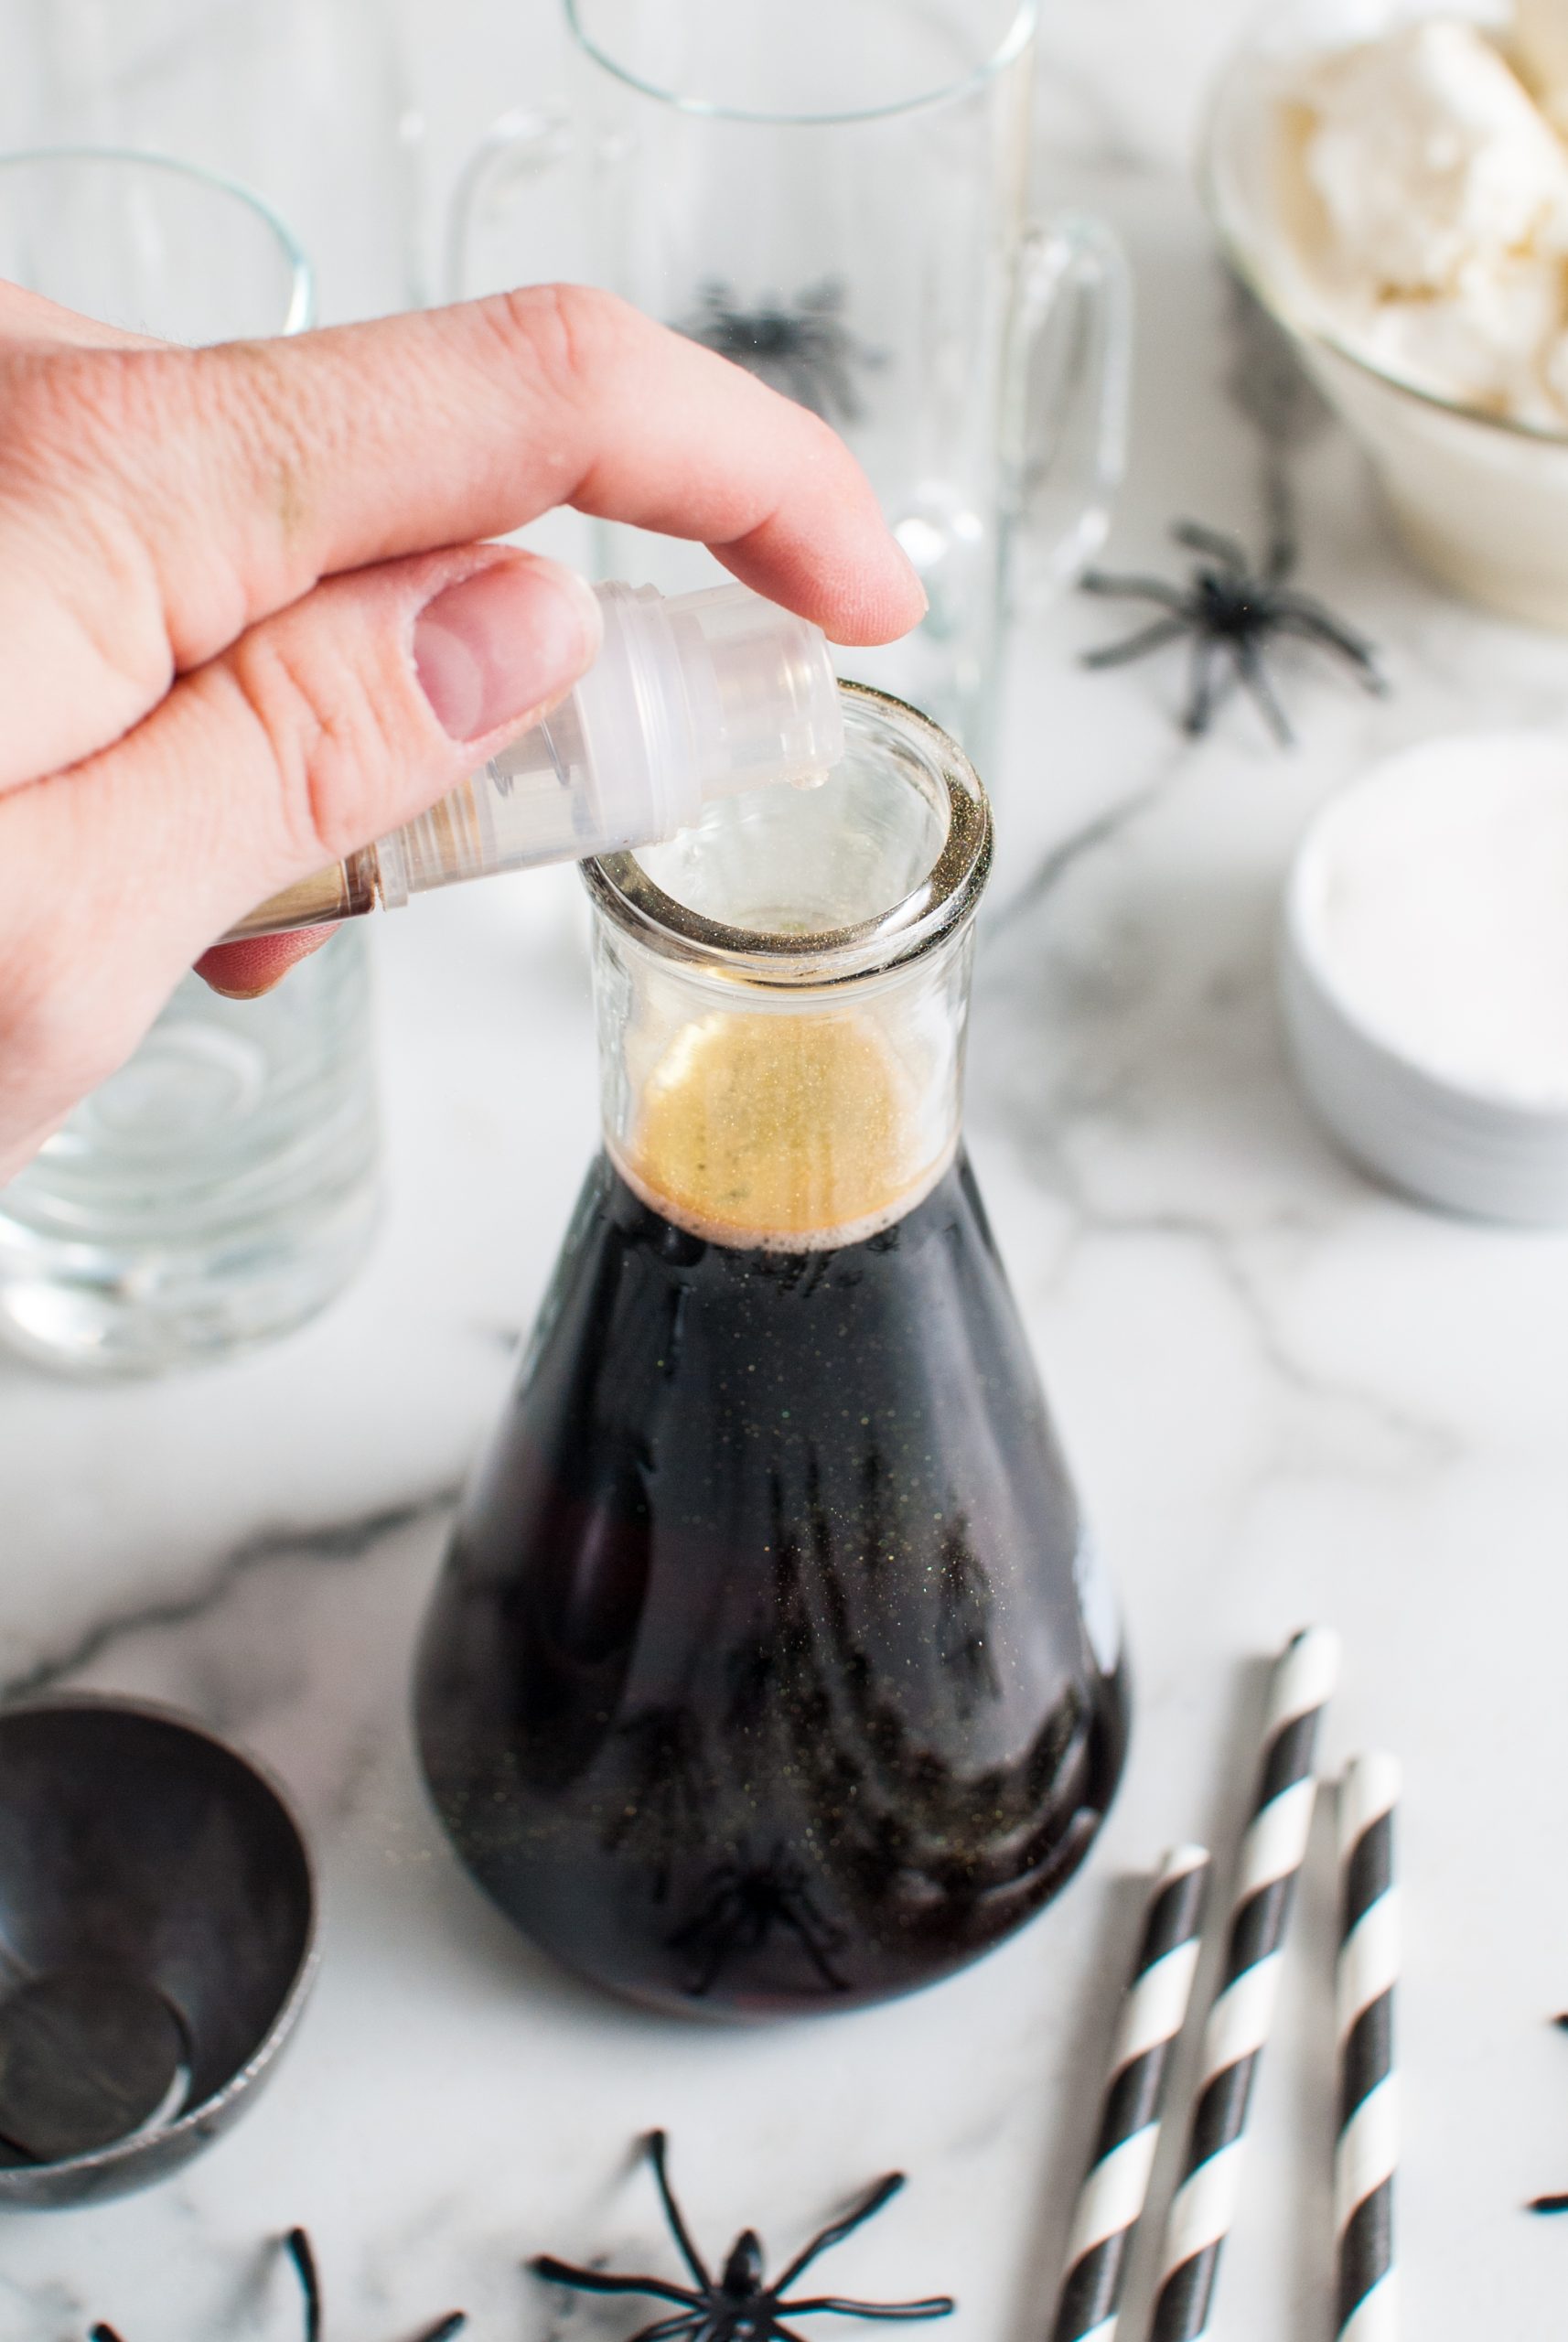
79 428
256 406
568 333
326 732
66 413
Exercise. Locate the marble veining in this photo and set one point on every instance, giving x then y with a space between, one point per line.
1287 1395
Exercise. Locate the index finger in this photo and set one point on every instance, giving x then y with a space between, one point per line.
222 484
26 315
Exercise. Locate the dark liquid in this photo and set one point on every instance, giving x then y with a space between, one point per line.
758 1679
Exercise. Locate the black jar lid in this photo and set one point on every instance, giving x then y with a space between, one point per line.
157 1942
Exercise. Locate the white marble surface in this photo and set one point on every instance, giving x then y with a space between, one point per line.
1287 1396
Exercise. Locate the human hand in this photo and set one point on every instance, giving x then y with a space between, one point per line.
247 624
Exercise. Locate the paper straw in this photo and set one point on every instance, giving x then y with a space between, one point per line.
1111 2201
1271 1854
1557 2203
1366 2154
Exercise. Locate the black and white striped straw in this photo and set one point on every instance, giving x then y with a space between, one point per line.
1367 2151
1111 2199
1271 1854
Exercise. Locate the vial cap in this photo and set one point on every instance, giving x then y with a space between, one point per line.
761 699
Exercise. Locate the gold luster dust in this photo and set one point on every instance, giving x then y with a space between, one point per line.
781 1131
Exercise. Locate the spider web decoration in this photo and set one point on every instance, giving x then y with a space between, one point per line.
297 2245
737 2303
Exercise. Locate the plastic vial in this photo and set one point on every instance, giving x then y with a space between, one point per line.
692 698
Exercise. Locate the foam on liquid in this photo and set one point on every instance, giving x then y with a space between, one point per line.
791 1133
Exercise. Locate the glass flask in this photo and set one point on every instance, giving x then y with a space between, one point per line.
770 1669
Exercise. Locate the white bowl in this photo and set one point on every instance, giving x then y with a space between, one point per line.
1479 500
1451 1142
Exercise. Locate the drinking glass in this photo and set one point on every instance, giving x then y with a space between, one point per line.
222 1186
772 1668
834 193
302 101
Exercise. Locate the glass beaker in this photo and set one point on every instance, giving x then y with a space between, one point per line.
304 101
771 1668
834 194
222 1186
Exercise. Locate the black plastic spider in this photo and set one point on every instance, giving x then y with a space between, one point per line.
806 351
739 2308
742 1904
296 2244
1228 607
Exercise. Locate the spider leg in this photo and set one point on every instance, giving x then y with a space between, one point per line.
658 2145
296 2244
1282 558
1199 539
1282 546
599 2280
1281 561
814 1952
667 2328
443 2328
1300 614
1254 675
1148 638
939 2305
1207 691
881 2192
103 2333
850 405
1133 589
801 384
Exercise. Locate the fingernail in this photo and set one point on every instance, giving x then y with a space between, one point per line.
501 642
244 970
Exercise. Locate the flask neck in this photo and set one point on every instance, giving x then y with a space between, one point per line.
782 992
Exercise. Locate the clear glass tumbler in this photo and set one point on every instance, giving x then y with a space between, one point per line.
222 1186
834 195
304 101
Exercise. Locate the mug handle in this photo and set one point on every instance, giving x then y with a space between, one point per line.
518 146
1067 393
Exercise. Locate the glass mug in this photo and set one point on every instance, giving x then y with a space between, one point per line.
833 193
222 1186
772 1668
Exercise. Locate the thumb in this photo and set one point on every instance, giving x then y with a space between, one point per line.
317 731
326 727
503 644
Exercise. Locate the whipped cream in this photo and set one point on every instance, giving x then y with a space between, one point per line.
1440 195
1432 160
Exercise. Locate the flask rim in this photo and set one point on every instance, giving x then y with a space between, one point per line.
943 901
